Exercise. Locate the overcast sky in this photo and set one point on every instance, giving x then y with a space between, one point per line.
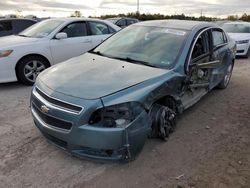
62 8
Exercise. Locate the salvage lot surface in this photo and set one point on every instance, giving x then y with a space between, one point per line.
210 147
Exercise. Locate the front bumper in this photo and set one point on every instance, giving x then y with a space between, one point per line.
7 69
242 49
84 140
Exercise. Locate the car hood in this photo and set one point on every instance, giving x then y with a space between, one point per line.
14 40
239 36
91 76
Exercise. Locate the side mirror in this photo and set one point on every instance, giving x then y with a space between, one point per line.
61 35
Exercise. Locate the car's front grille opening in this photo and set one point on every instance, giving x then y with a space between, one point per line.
240 51
56 141
58 103
96 152
52 121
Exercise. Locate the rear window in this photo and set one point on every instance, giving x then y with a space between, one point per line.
5 26
129 22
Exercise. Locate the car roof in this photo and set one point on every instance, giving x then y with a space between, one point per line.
123 18
177 24
16 19
76 19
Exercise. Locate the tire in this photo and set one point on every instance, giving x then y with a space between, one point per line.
29 68
225 81
163 121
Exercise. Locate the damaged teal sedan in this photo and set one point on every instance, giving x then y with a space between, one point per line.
104 104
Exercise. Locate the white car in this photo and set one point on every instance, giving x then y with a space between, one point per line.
24 56
240 32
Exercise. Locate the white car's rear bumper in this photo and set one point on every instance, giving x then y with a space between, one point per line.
7 70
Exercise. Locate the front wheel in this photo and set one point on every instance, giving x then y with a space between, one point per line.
224 83
29 68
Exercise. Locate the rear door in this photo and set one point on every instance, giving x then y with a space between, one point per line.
221 54
78 42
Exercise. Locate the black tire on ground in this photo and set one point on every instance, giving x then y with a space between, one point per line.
28 69
163 121
226 79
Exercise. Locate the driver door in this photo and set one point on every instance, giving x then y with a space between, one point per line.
77 42
199 70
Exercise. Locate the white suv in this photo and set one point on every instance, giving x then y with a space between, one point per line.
24 56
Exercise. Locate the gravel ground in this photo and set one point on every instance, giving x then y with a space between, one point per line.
210 147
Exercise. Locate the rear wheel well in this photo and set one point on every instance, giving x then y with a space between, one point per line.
31 55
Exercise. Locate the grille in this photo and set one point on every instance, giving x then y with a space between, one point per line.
58 103
52 121
240 51
56 141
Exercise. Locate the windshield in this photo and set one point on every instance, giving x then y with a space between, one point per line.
236 28
41 29
152 46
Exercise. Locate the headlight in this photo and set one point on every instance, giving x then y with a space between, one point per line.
242 41
5 53
116 116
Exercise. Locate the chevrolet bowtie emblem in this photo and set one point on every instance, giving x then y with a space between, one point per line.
44 109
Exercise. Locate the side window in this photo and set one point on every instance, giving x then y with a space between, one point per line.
77 29
5 26
111 30
129 22
98 28
201 46
218 38
121 22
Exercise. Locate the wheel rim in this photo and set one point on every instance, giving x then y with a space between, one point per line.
228 75
32 69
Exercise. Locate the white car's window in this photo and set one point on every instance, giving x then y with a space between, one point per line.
98 28
153 46
121 22
129 22
113 20
236 28
41 29
76 29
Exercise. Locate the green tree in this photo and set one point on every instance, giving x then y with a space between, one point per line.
245 17
76 13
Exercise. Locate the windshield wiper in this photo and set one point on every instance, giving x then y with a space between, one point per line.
135 61
97 53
